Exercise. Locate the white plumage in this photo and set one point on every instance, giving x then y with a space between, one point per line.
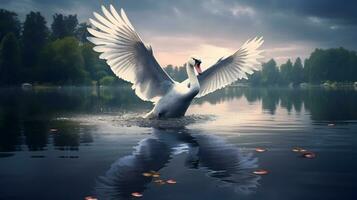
130 59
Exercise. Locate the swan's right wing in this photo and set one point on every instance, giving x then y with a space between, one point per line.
126 54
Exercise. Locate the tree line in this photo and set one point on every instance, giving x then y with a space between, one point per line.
330 65
60 55
322 66
30 51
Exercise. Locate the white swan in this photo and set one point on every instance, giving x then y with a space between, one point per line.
130 59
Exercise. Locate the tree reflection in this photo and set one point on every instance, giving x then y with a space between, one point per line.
27 116
36 135
323 104
31 114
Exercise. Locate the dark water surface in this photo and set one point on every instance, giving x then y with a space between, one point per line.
71 143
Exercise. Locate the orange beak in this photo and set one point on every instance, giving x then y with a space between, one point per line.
198 68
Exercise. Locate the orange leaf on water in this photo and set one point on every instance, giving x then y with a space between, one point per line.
260 172
171 181
298 149
90 198
147 174
309 155
159 181
260 150
136 194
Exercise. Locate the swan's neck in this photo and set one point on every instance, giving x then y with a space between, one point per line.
194 84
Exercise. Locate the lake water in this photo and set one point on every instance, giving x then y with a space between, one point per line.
70 143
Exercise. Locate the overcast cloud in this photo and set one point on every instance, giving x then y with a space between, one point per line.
212 28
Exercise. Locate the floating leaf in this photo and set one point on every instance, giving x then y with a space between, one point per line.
159 181
146 174
260 150
260 172
309 155
156 175
171 181
136 194
90 198
298 149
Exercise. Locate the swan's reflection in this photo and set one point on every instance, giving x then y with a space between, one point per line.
207 153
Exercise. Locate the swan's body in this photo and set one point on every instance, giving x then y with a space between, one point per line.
130 59
176 102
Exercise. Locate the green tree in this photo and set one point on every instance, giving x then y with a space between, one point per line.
9 23
35 36
63 26
96 67
62 63
81 32
255 79
10 65
90 61
286 72
177 73
332 64
107 81
270 73
297 72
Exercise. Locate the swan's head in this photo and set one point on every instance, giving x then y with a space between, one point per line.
196 63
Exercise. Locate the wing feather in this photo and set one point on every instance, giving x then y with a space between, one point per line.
119 44
235 67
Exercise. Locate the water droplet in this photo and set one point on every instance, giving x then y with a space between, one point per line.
136 194
261 172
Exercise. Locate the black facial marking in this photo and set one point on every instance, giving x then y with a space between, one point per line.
197 61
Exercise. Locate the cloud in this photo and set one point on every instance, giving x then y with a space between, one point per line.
178 28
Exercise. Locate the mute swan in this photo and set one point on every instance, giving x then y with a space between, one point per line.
130 59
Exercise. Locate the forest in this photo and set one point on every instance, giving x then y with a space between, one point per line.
59 54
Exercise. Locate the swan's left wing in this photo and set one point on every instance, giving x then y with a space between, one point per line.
228 70
126 54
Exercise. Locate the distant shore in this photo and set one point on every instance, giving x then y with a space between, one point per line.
326 85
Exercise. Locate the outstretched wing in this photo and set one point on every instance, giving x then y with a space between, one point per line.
228 70
126 54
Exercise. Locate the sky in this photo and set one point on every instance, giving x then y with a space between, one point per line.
211 29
